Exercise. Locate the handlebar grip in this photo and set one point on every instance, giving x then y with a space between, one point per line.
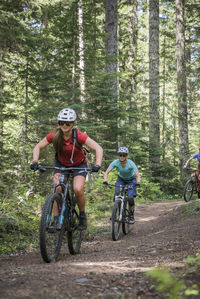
42 169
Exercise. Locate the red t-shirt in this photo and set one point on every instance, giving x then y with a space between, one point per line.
79 155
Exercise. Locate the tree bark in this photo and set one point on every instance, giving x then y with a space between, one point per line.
81 52
111 69
181 84
154 92
132 58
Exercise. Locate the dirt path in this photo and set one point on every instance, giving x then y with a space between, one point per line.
106 269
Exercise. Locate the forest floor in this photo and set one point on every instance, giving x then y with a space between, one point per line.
162 236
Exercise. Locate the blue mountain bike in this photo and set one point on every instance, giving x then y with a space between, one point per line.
51 233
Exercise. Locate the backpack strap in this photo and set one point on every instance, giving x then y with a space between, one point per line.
76 144
75 138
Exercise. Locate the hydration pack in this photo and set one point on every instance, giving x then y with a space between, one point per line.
76 144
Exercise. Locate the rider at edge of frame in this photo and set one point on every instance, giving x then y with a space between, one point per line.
127 174
195 156
69 153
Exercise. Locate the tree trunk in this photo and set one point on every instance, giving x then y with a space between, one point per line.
181 84
163 102
132 58
1 101
81 52
74 43
154 93
111 69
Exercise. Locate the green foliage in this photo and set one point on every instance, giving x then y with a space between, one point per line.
99 206
19 223
172 285
167 283
168 179
40 74
149 191
193 261
191 208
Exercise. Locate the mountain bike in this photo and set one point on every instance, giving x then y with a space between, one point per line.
192 185
120 212
51 235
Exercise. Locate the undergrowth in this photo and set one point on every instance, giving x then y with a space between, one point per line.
177 285
20 217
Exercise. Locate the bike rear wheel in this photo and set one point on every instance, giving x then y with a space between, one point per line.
189 190
74 236
115 220
125 223
50 237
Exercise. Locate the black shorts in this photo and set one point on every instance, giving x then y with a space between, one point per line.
74 172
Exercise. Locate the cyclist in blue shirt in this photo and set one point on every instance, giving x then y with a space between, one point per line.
195 156
127 174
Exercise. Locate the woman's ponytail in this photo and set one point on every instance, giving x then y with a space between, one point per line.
58 141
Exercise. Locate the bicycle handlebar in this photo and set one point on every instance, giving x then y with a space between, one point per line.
124 186
65 169
191 169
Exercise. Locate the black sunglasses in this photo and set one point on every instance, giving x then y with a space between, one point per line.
122 155
67 123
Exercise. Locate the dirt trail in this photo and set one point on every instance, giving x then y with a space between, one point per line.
161 236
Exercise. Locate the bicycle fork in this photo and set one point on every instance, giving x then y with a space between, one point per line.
121 208
62 215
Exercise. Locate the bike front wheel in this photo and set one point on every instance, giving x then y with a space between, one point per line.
74 235
116 220
189 190
50 236
125 223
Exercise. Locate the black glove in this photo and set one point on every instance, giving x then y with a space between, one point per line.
34 166
105 183
95 168
137 185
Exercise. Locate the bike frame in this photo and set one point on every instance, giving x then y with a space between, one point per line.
196 176
66 195
122 197
197 182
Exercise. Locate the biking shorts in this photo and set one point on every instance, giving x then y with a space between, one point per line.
131 182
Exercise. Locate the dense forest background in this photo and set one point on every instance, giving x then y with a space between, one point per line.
129 68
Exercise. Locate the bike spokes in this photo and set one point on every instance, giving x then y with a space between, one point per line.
50 233
189 190
125 223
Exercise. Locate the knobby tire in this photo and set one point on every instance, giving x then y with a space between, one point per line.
115 220
189 190
74 236
125 223
50 240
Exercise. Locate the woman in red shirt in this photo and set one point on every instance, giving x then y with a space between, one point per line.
69 155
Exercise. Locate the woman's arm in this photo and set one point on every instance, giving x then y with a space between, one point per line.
188 161
97 148
137 174
106 174
36 151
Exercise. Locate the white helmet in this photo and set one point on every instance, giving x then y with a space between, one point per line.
67 114
123 150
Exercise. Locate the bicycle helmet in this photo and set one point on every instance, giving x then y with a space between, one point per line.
123 150
67 114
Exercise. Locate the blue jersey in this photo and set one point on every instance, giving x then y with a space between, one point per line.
197 156
126 172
